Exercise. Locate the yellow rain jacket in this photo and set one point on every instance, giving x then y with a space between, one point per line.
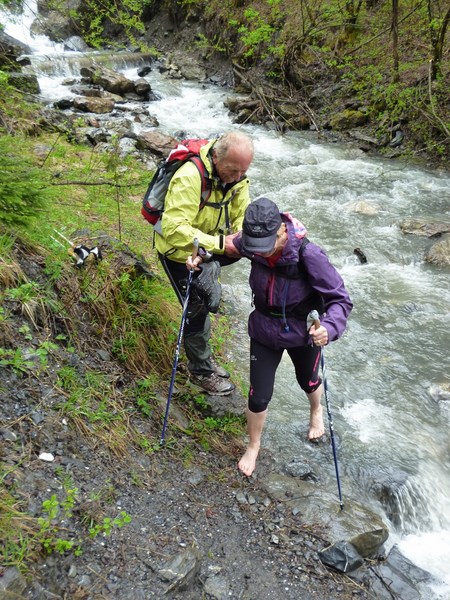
183 220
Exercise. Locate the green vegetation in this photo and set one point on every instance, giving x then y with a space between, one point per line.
96 16
23 189
54 313
390 59
24 537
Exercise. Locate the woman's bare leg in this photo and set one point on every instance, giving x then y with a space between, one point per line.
316 425
255 426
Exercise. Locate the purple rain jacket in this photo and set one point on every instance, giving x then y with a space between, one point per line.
285 293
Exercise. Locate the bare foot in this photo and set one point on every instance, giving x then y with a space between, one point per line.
316 426
247 463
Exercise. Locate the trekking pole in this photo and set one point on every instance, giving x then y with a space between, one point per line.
314 316
180 337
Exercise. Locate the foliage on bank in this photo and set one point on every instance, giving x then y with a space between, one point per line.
56 317
388 62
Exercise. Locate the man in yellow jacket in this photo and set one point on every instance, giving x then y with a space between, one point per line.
226 161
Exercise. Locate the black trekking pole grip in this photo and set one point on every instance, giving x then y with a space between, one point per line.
314 315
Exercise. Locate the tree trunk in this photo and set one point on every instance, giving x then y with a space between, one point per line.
394 28
437 42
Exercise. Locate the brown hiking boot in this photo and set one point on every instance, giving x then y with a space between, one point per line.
213 384
220 371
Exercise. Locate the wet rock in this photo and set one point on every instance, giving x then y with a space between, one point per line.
25 82
182 569
439 253
364 208
76 44
142 87
440 392
87 90
360 255
11 49
156 143
94 105
341 556
398 576
181 65
316 505
424 228
64 103
109 80
143 71
301 470
12 584
411 307
56 26
369 542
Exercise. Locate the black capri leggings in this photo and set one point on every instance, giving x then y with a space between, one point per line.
264 362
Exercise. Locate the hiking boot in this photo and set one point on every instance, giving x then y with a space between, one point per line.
207 285
220 371
213 384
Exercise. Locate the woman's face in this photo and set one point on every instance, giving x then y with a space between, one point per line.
280 242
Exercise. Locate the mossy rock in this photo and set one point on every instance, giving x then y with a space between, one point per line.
25 83
347 119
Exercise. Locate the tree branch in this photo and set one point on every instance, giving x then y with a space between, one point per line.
433 110
110 183
383 31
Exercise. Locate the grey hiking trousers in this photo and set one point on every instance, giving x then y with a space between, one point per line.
197 329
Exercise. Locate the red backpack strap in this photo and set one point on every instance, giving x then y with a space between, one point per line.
205 182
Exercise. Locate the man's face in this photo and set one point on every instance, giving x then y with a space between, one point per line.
234 165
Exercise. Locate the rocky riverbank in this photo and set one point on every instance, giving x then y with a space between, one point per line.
321 101
176 522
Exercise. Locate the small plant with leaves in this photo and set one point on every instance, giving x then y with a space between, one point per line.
49 529
31 299
15 359
107 525
143 393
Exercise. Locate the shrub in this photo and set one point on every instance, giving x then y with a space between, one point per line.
23 191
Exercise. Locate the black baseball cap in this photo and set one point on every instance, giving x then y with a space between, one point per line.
262 220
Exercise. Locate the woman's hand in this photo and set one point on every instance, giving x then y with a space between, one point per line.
319 336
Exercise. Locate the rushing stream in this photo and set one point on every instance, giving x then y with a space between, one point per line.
390 421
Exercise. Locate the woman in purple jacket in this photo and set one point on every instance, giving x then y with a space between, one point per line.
290 276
